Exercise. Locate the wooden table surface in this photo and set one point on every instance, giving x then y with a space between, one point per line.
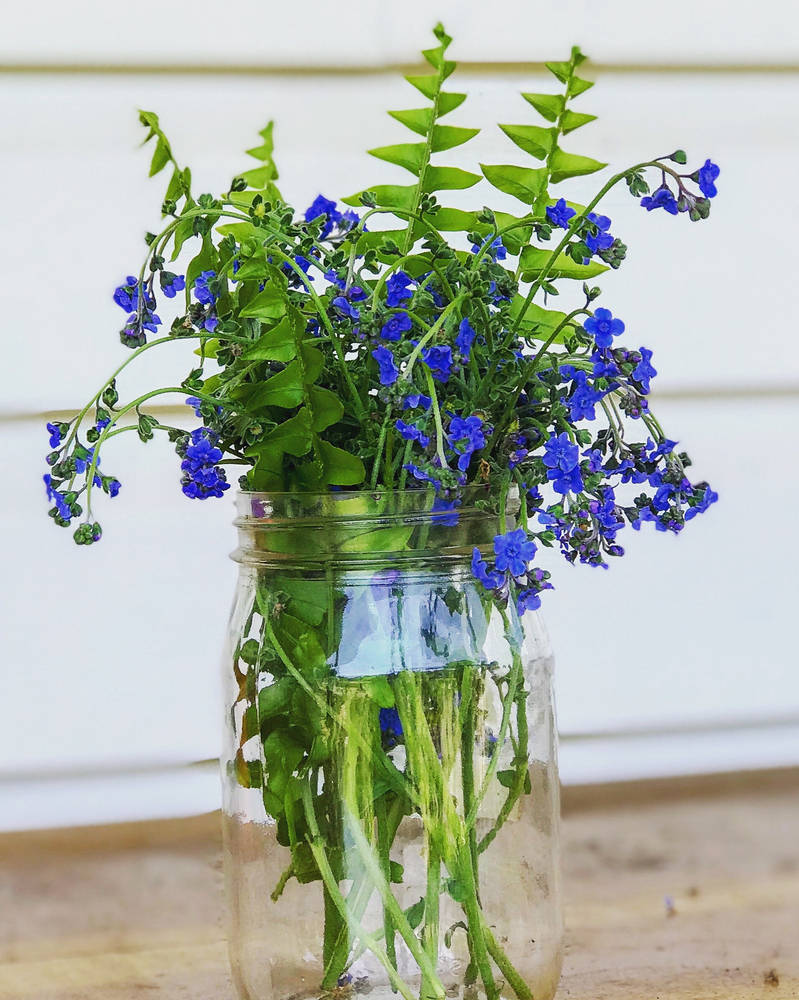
132 912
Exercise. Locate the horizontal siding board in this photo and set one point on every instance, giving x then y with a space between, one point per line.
111 654
78 201
360 32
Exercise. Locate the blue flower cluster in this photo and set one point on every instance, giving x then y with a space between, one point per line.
202 475
684 200
137 300
205 292
466 436
513 554
335 223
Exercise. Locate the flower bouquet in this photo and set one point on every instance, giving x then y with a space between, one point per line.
411 420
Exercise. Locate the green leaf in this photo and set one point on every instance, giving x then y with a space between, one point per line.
253 267
455 220
579 86
326 408
533 260
267 474
260 177
566 165
284 389
448 179
396 871
277 344
380 691
341 468
307 598
268 304
427 85
266 149
161 156
417 120
449 136
575 119
409 155
549 106
388 196
292 437
539 322
531 138
562 70
377 539
415 913
524 183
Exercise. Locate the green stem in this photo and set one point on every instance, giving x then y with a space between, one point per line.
384 848
316 845
506 967
430 933
372 868
431 388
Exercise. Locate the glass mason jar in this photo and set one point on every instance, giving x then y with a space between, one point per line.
391 799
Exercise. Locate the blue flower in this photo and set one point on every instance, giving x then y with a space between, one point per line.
583 400
643 371
465 437
388 371
202 478
323 206
603 327
210 322
563 482
171 283
416 399
345 307
439 361
421 474
527 600
662 198
63 509
706 176
602 239
559 214
390 726
560 453
707 498
490 579
127 296
195 402
397 290
394 327
496 249
465 338
410 432
83 459
514 551
202 292
57 432
444 512
520 451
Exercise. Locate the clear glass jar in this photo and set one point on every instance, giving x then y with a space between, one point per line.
391 789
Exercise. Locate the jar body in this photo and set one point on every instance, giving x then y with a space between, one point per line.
391 794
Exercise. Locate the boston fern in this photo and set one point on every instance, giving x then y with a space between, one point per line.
336 353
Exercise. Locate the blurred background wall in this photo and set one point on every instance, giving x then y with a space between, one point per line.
683 657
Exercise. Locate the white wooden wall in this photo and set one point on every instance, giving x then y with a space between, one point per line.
682 657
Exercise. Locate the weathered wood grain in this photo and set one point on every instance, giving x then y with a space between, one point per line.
133 912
